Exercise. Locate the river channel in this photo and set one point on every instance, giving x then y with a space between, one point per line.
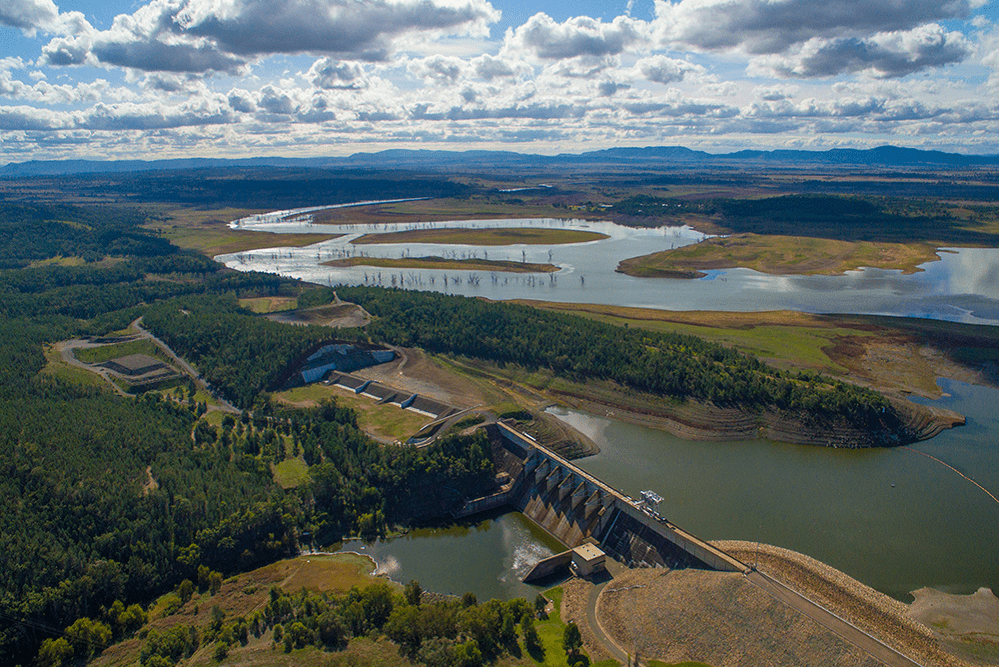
895 519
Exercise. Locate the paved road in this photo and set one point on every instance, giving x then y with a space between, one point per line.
66 348
609 645
827 619
224 405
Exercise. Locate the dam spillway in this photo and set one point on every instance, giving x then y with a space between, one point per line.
577 508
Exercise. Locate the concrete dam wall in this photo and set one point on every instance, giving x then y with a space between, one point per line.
575 507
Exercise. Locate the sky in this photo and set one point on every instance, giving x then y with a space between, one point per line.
129 79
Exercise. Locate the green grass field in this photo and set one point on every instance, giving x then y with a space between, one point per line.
270 304
383 421
56 367
779 255
98 355
291 473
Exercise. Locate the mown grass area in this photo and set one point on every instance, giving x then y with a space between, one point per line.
382 421
780 255
98 355
442 263
291 473
550 632
484 237
270 304
56 367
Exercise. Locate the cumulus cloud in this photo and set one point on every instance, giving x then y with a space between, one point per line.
773 26
29 15
439 69
333 74
884 55
663 69
220 35
34 15
545 39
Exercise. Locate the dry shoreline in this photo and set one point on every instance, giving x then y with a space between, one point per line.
723 619
880 615
700 421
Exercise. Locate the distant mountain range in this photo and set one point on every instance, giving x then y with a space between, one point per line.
883 156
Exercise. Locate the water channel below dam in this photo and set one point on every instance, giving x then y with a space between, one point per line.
895 519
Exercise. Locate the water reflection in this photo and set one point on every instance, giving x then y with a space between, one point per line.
891 518
962 286
488 558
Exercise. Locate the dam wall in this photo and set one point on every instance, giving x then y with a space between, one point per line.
575 507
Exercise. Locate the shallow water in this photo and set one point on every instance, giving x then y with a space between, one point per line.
963 286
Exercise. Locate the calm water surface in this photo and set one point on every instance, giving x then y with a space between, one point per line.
963 286
894 519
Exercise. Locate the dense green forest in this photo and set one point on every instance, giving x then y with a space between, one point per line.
667 364
239 353
105 500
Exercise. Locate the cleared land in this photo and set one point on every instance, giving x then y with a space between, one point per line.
442 263
97 355
876 613
208 232
484 237
269 304
968 625
336 315
779 255
718 618
381 421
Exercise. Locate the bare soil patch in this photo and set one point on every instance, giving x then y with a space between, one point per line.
968 625
417 372
337 315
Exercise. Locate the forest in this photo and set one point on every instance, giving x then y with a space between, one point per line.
667 364
106 500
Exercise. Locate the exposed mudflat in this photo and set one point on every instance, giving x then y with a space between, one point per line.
967 624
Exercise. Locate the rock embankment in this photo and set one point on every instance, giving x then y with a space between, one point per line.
694 420
877 614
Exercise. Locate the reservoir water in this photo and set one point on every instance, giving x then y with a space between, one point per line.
895 519
962 286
